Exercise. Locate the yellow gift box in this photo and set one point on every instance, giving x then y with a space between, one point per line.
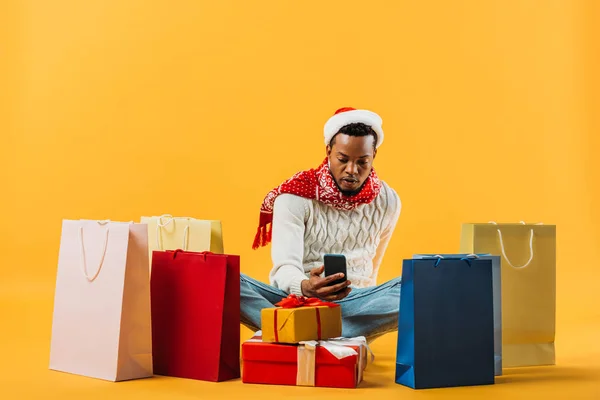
301 319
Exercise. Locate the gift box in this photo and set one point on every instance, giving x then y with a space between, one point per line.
336 363
299 319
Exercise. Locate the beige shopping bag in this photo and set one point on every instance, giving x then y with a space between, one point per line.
101 323
166 232
528 268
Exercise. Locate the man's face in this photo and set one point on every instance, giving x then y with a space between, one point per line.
351 161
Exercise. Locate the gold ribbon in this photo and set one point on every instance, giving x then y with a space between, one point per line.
339 348
306 364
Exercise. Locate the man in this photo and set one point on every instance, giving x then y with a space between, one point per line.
341 207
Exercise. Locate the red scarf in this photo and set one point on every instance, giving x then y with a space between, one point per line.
317 184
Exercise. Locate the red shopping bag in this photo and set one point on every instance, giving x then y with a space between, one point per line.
195 300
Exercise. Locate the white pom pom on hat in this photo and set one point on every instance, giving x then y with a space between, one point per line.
349 115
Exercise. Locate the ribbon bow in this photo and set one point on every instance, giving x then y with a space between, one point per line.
294 301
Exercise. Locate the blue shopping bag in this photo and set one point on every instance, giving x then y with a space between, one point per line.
446 323
497 288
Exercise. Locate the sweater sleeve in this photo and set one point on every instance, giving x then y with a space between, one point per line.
394 207
287 246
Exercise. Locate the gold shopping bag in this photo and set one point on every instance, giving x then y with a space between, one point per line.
528 276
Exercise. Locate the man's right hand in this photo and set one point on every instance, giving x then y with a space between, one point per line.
316 286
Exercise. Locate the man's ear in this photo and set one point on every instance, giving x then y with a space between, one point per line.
374 153
328 150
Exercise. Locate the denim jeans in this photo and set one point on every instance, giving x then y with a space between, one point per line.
369 312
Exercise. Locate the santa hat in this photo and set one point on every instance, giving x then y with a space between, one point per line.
349 115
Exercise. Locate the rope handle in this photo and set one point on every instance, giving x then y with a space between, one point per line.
82 260
530 246
203 253
160 224
105 221
466 259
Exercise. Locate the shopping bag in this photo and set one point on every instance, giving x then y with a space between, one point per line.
446 323
528 263
166 232
195 301
101 321
496 278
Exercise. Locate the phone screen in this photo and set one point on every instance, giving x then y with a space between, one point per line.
335 263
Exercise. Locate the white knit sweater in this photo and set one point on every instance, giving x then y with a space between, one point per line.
304 230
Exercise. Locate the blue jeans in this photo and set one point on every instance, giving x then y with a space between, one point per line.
369 312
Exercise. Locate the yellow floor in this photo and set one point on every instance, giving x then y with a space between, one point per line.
26 314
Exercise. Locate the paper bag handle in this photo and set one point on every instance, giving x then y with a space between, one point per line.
530 246
82 253
466 259
160 225
203 253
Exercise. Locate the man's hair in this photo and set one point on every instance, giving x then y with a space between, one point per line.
356 129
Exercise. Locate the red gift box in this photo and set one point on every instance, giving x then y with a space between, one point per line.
195 299
282 364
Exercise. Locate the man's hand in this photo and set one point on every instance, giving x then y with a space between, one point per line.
316 286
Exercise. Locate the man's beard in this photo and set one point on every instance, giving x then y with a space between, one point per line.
346 192
349 192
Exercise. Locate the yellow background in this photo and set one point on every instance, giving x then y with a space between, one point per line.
118 109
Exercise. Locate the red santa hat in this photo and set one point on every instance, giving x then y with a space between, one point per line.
348 115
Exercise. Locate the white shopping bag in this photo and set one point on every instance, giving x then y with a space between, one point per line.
101 324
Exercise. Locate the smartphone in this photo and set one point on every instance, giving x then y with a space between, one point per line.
334 264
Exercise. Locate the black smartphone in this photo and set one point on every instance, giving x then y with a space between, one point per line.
334 264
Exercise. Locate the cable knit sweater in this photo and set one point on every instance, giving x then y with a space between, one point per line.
304 230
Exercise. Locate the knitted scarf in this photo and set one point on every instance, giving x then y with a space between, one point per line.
317 184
